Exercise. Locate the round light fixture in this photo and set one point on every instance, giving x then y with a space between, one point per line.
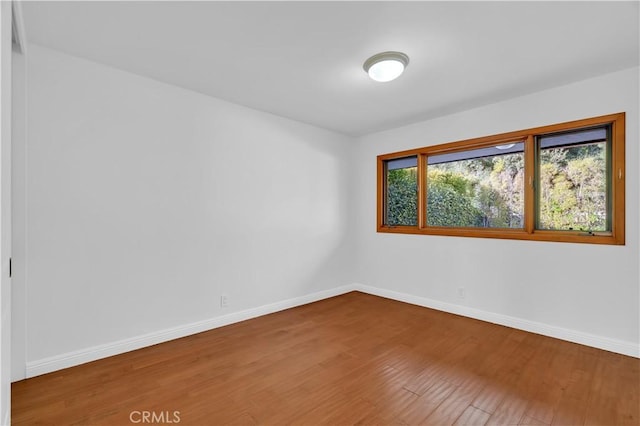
386 66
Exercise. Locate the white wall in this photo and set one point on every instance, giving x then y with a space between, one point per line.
590 289
18 225
5 212
146 202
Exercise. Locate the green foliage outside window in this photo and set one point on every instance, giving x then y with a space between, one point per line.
573 188
481 192
449 201
488 192
469 193
402 196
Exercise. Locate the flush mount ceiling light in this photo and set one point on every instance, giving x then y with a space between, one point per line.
386 66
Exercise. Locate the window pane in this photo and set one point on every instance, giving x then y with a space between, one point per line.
477 188
402 192
573 181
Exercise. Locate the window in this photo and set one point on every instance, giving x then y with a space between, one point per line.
482 187
402 191
573 169
563 182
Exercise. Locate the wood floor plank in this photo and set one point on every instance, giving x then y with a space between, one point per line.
496 369
614 394
531 421
456 403
572 406
352 359
472 416
555 378
628 408
419 411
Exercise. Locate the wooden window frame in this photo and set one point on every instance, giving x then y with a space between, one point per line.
617 188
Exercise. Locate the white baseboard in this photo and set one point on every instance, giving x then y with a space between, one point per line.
600 342
94 353
82 356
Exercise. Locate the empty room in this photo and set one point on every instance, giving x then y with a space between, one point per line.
320 213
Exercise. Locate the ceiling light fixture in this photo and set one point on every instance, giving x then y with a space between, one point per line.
386 66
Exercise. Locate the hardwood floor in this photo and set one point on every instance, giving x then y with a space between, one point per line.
354 359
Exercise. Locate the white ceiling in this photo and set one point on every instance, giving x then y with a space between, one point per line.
303 60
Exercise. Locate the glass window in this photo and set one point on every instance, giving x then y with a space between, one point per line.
402 192
561 182
482 187
572 192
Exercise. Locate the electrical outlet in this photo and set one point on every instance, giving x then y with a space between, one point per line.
224 301
461 293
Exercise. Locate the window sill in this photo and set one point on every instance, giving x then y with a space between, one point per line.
608 238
